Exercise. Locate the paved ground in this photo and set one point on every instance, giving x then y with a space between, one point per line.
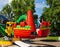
40 42
43 42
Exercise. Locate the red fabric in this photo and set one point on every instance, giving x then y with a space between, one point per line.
22 24
22 33
43 33
14 25
30 20
45 23
48 23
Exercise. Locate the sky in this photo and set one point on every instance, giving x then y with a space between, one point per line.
39 5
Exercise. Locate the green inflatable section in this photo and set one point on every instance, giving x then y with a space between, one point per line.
18 26
25 27
2 30
21 18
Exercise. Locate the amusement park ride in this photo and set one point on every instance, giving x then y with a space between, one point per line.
25 28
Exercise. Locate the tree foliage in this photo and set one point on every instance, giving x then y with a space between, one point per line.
7 11
19 7
52 14
7 8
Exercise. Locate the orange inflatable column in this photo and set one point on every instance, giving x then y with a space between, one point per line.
30 20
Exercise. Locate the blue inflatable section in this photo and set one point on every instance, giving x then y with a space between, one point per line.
3 17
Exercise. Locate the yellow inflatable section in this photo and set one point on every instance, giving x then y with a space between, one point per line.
9 28
5 42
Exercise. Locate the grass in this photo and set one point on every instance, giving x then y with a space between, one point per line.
52 38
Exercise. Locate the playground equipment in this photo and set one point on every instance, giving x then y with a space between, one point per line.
22 32
5 43
1 16
3 19
2 30
25 29
9 28
21 18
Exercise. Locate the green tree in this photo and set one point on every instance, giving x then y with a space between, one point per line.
6 11
20 7
52 14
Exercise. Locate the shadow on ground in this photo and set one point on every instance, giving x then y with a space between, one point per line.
37 44
45 40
